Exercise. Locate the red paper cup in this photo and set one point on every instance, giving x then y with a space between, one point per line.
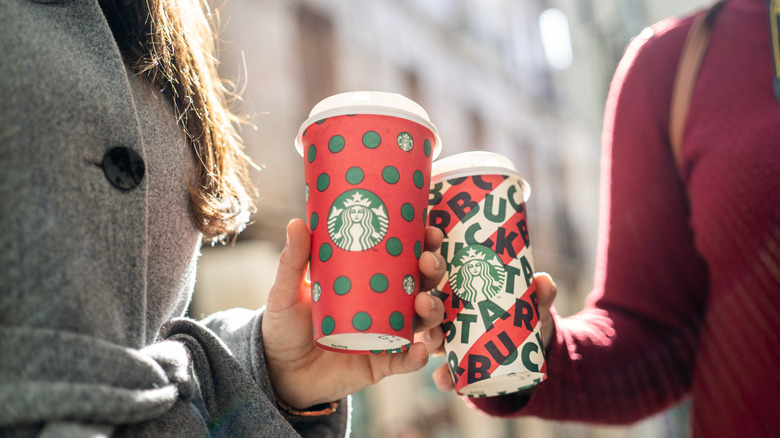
367 169
492 330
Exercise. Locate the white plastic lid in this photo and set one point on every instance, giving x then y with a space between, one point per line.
476 163
369 102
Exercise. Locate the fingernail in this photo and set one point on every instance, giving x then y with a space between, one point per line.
433 302
436 261
427 336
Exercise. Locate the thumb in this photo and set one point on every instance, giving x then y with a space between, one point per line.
546 291
291 273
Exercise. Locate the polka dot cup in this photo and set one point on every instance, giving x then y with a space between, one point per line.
492 329
367 164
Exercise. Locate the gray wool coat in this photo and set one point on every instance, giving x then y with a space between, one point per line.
98 253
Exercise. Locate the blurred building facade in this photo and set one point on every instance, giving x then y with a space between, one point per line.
488 77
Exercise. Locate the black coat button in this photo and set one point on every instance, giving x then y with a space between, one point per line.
123 167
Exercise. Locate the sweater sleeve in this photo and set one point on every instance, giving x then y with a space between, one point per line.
629 353
240 330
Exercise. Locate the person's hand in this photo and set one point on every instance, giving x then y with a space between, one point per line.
303 375
546 291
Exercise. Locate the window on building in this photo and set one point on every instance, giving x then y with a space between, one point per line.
412 86
317 52
477 130
556 39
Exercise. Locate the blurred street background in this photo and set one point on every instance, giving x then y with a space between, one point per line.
524 78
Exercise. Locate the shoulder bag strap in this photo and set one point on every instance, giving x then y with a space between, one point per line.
687 71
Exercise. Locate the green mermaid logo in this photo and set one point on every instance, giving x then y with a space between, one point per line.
316 291
476 274
405 141
409 284
357 220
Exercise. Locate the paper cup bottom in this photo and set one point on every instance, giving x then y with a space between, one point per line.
499 385
364 343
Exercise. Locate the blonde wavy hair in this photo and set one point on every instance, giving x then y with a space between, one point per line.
172 43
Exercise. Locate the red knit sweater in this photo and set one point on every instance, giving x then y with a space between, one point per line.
682 303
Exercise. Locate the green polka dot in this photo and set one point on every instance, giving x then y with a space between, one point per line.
390 175
320 122
326 251
394 246
378 283
342 285
328 325
425 217
323 181
407 212
427 147
419 179
314 221
312 153
361 321
336 144
376 351
354 175
397 321
371 140
418 249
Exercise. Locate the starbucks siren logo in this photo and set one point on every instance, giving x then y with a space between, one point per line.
476 274
409 284
405 141
357 220
316 291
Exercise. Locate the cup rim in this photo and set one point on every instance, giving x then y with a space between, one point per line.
369 102
477 162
